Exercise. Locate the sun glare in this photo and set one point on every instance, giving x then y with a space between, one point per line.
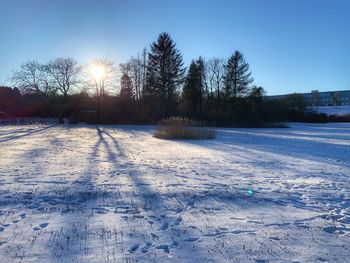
97 71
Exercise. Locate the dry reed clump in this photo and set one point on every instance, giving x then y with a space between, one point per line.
183 128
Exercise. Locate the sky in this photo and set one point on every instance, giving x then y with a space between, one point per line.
291 45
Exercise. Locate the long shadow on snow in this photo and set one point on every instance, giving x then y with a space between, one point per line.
251 146
28 133
154 205
87 195
296 147
15 131
295 134
78 199
168 219
77 204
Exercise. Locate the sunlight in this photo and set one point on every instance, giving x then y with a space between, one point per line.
98 71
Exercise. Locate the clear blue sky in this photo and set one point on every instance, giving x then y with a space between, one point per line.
291 45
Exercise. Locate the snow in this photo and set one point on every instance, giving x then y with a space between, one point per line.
116 194
332 110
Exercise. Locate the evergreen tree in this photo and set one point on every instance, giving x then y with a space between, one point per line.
126 87
237 76
193 88
164 73
256 99
237 79
201 84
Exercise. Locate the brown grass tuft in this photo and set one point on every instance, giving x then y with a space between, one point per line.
182 128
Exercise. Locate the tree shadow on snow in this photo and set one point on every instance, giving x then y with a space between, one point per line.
289 147
20 133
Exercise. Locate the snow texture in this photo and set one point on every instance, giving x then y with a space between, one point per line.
116 194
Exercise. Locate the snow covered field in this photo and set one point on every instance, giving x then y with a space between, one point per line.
116 194
332 110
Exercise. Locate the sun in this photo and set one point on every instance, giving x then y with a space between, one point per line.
98 71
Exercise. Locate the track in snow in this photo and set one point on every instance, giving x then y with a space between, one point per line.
116 194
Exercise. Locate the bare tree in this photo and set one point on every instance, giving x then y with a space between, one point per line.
215 72
64 74
136 68
33 78
144 68
102 76
214 82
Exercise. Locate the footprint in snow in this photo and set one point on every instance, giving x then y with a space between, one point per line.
190 203
164 247
134 247
329 229
154 236
2 229
22 216
179 210
192 239
43 225
321 259
175 244
145 248
100 210
217 234
164 226
178 220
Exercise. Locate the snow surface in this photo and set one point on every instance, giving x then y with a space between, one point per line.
332 110
116 194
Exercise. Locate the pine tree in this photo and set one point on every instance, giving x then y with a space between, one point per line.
193 88
164 73
126 87
255 98
237 76
201 84
237 80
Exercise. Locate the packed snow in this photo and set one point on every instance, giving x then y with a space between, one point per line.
117 194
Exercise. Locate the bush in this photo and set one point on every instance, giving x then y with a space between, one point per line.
316 118
339 118
182 128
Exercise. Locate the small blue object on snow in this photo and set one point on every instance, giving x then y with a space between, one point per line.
250 192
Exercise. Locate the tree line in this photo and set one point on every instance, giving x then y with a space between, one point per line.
148 87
